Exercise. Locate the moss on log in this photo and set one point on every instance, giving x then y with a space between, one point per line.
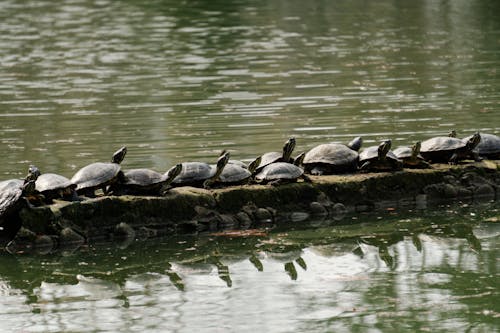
191 210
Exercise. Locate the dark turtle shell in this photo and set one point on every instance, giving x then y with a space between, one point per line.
449 149
379 158
279 171
7 185
234 174
330 158
52 182
142 177
193 173
441 144
273 156
489 147
95 175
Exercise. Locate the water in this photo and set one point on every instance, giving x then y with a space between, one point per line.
181 80
424 271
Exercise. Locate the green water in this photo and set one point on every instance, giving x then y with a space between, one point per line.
392 272
181 80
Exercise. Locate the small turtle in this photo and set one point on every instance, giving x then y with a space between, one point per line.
54 186
411 156
99 175
273 157
14 194
489 147
379 158
449 149
199 174
236 174
146 181
278 173
330 158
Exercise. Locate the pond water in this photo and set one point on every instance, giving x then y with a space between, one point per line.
181 80
434 271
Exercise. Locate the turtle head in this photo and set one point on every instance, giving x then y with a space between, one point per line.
452 134
222 161
473 141
33 174
356 143
288 149
415 149
384 148
173 172
119 155
298 160
254 164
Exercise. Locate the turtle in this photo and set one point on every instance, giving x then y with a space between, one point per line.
146 181
99 175
7 185
273 157
450 149
379 158
411 156
330 158
199 174
278 173
236 174
489 147
54 186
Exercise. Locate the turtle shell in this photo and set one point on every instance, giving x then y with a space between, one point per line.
143 177
193 172
234 173
7 185
405 153
441 143
334 156
95 175
279 170
371 153
52 182
489 145
9 197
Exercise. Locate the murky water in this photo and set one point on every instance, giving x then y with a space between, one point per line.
425 271
181 80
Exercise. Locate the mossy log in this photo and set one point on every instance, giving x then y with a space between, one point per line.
191 210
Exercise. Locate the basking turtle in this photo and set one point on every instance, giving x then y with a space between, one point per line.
273 157
99 175
146 181
489 147
199 174
411 156
278 173
330 158
7 185
236 174
449 149
14 194
379 158
53 186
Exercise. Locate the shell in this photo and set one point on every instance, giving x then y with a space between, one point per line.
371 153
95 174
441 143
331 153
279 170
52 181
143 177
489 145
11 184
234 173
193 172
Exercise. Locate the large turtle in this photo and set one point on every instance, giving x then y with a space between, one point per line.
489 147
411 156
278 173
99 175
53 186
273 157
379 158
199 174
14 196
449 149
330 158
146 181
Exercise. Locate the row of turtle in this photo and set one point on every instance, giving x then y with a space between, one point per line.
271 167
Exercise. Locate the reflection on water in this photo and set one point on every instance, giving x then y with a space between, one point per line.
427 272
182 80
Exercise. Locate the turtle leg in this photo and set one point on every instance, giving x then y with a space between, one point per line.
453 159
306 179
365 166
476 156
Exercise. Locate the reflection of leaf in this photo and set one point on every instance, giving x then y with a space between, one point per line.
223 272
301 262
257 263
290 269
176 280
416 241
358 251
